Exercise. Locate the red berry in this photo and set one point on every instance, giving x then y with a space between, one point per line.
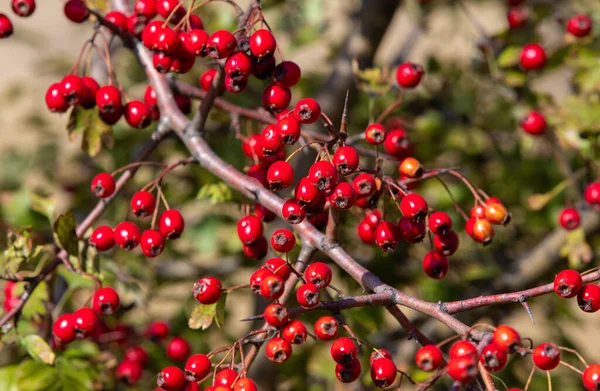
533 123
271 140
245 384
150 97
411 231
110 118
318 273
196 22
257 277
23 8
137 354
91 87
306 194
263 67
346 160
195 42
54 98
166 7
72 89
184 103
102 238
364 185
249 229
495 212
85 321
410 168
463 369
373 218
347 373
157 330
383 372
435 265
414 206
326 328
343 350
178 349
103 185
289 130
578 25
517 17
308 295
280 175
143 203
106 301
256 250
220 44
137 114
278 350
493 358
292 212
569 219
238 66
118 19
64 328
197 367
108 99
286 74
463 348
533 57
409 75
379 353
283 241
446 244
167 40
429 358
129 372
225 378
171 224
307 111
568 283
386 236
150 33
342 196
546 356
439 223
480 230
127 235
592 194
152 243
271 287
397 144
171 379
276 315
207 290
294 332
366 232
375 134
76 11
276 98
506 338
146 8
588 298
591 377
279 267
262 43
323 175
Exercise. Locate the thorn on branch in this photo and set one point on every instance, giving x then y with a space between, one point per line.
443 307
525 303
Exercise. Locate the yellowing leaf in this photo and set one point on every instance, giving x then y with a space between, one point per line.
202 316
94 132
372 81
38 349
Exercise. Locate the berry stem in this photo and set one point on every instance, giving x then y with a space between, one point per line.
391 108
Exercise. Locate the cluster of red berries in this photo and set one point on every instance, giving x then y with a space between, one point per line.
83 322
127 234
22 8
569 218
579 25
568 284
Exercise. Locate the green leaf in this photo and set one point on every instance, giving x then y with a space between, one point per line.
64 227
43 205
515 78
34 375
36 304
509 57
19 249
202 316
217 193
7 378
220 311
38 349
372 81
94 132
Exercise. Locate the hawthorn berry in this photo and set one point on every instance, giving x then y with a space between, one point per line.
171 224
85 321
162 62
118 19
347 373
409 75
307 111
90 89
397 144
55 100
493 358
146 8
414 206
103 185
326 328
375 134
495 212
276 98
167 41
108 99
150 33
63 328
207 290
517 17
463 369
276 315
137 354
386 236
280 175
225 378
379 353
289 130
195 42
429 358
283 240
184 103
106 301
343 350
592 194
446 244
569 219
294 332
546 356
278 350
197 367
308 295
157 330
533 57
238 66
318 273
579 25
383 372
366 232
306 194
72 89
129 372
410 168
364 185
373 217
256 250
293 212
533 123
137 114
346 160
462 348
435 265
220 44
506 338
167 7
591 377
342 196
262 43
76 11
286 74
257 277
171 379
249 229
263 67
23 8
245 384
271 140
439 223
412 231
588 298
568 283
279 267
102 238
480 230
271 287
178 349
143 203
127 235
152 243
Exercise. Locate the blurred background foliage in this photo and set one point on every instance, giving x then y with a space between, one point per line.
465 114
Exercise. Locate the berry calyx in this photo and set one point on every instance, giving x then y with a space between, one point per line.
294 332
318 273
307 111
278 350
207 290
342 196
293 212
588 298
493 358
343 350
308 295
276 315
283 241
346 160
